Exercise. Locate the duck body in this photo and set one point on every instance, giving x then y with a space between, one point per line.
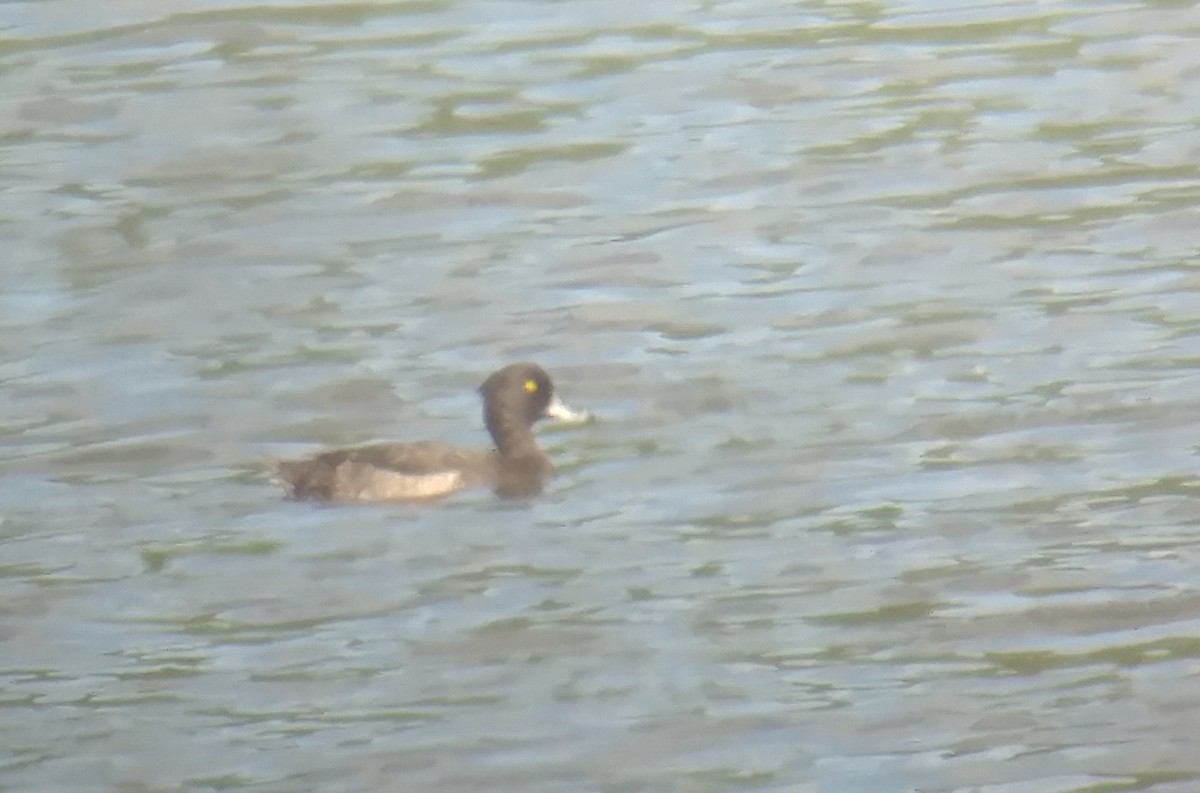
514 398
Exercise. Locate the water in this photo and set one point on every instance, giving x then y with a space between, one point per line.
889 311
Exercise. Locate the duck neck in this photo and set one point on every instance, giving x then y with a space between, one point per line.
513 437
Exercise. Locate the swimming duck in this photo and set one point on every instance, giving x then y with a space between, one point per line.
514 398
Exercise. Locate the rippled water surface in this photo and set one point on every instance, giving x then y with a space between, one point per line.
889 310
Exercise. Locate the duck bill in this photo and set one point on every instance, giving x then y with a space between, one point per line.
560 412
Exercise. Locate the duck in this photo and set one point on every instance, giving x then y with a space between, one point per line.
515 398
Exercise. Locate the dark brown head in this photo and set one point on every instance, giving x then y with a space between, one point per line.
516 397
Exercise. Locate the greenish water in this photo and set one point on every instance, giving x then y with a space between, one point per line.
889 311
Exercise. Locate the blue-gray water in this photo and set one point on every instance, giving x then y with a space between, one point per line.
890 311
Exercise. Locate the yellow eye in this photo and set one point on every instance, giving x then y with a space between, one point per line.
531 386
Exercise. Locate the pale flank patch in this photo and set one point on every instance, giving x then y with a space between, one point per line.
388 485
